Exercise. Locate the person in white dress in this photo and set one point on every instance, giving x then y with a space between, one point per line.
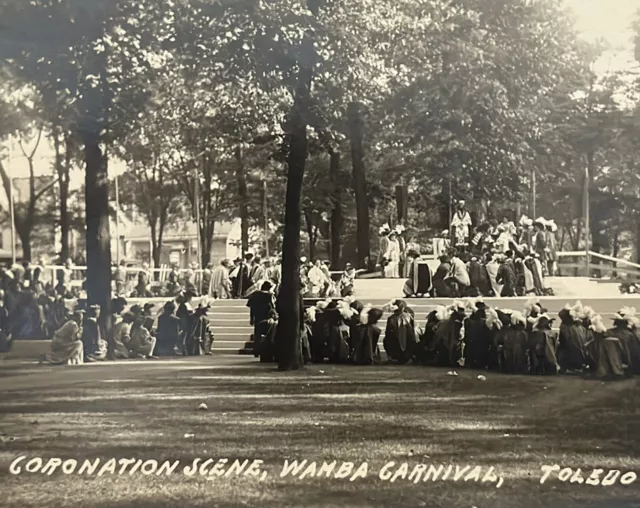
461 225
392 255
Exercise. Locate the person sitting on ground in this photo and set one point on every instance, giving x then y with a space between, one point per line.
142 343
122 336
95 348
66 346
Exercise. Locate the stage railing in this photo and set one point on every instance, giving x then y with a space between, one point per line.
599 266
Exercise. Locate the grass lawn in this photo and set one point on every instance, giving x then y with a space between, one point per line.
376 415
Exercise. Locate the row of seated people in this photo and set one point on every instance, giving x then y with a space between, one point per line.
135 332
470 334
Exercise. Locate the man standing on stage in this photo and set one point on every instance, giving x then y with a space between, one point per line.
461 225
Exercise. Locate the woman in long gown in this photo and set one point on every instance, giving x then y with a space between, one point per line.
400 338
392 270
66 346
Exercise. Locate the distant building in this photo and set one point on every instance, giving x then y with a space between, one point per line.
179 243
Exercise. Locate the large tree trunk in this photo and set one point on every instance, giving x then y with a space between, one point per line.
359 184
402 203
25 239
336 211
243 207
288 305
63 167
98 239
308 216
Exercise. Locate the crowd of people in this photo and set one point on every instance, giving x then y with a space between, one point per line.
466 334
489 260
133 332
237 279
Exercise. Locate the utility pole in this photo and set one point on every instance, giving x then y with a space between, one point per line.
587 222
266 218
196 201
117 222
533 193
13 222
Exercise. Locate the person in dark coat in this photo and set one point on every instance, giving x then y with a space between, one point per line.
448 336
475 276
625 326
506 277
543 343
5 337
441 287
515 355
261 305
185 314
365 345
477 338
607 354
400 338
168 334
199 338
571 341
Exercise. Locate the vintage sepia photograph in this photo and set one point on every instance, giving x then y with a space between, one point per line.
320 253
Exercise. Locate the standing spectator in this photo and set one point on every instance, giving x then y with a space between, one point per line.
206 278
120 277
142 289
552 248
443 244
220 284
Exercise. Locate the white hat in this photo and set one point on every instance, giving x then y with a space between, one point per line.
400 229
541 220
445 232
461 202
384 229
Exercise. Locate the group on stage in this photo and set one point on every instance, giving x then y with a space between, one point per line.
490 259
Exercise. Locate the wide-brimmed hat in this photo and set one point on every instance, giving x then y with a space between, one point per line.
385 229
543 321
